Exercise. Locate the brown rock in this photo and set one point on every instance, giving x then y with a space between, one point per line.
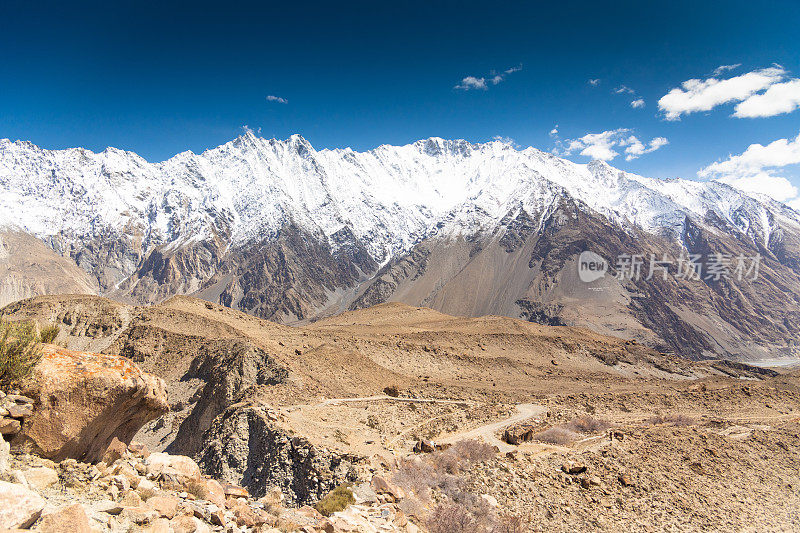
424 446
19 507
188 524
217 518
160 525
19 411
108 506
160 463
207 489
40 477
235 491
244 515
381 486
138 515
85 400
165 506
139 450
71 519
573 468
115 451
625 480
146 488
9 426
18 398
131 499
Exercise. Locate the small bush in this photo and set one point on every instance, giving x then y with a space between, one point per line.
556 435
417 476
452 518
587 424
19 352
48 334
392 390
337 500
511 523
473 451
672 419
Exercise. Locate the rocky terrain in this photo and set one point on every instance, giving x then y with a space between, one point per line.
291 234
427 421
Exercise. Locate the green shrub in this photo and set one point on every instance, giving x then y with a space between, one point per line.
337 500
19 352
48 334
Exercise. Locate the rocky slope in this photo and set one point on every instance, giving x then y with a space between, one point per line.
29 268
416 409
243 389
286 232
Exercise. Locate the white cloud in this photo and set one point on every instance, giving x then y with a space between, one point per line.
506 140
703 95
248 129
638 103
778 99
604 145
624 89
278 99
495 78
636 148
754 170
471 82
594 82
723 68
554 131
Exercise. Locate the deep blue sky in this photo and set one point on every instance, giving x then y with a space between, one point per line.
161 79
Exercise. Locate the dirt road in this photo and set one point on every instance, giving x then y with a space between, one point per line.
488 432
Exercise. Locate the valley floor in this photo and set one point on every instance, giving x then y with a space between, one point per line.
613 436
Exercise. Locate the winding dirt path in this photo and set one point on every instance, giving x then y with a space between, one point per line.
488 432
383 397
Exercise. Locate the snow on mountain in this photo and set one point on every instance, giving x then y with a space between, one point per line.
390 197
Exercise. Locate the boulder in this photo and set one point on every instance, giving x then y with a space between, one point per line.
19 410
40 477
571 467
115 451
70 519
381 486
9 426
19 507
188 524
207 489
166 506
85 400
160 463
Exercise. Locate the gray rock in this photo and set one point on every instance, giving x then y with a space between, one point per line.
244 447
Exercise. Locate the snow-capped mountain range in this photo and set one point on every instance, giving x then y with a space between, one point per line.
110 211
390 197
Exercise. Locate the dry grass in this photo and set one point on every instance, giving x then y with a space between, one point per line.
511 523
451 518
459 509
672 419
557 435
48 334
587 424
